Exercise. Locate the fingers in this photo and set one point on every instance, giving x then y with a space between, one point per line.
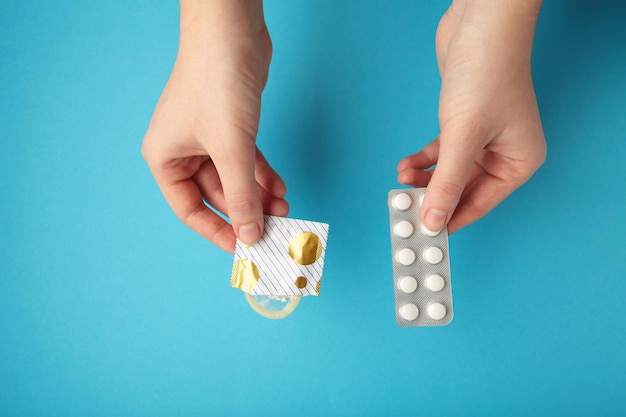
479 199
412 170
445 183
493 178
208 182
235 164
473 187
187 198
186 201
424 159
173 176
414 177
456 156
267 178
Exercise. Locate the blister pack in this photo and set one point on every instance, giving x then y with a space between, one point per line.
286 264
421 263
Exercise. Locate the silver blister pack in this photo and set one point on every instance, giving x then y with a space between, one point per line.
421 263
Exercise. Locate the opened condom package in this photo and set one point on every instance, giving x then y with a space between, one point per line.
286 264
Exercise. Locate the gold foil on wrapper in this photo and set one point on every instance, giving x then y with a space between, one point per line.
318 287
287 261
305 248
245 275
301 282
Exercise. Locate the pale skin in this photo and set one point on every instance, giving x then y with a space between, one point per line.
200 145
491 140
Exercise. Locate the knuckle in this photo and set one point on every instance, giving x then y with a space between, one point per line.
241 204
542 154
476 208
146 151
220 233
449 188
189 215
533 163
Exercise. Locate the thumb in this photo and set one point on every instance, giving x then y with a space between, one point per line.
243 204
448 181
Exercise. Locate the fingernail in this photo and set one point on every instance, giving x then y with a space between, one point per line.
435 220
249 233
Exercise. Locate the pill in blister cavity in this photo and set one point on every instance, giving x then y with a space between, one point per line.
433 255
421 264
435 282
403 229
409 312
407 284
284 265
436 311
402 201
428 232
405 256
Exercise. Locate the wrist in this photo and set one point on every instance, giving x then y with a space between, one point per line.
507 25
203 21
519 8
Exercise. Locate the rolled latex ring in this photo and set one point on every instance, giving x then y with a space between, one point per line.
273 307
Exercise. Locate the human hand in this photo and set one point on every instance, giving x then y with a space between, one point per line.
200 145
491 140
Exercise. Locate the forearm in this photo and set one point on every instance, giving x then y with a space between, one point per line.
505 24
209 21
517 9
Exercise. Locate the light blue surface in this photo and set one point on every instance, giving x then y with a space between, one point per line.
111 307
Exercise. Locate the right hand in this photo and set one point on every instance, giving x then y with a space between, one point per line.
491 139
200 145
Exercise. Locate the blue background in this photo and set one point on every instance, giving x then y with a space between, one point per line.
109 306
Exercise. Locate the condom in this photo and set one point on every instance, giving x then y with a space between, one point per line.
272 306
285 265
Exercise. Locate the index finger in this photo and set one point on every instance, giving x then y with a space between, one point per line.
186 201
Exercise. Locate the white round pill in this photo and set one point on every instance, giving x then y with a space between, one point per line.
407 284
403 229
405 256
428 232
401 201
436 311
409 312
421 199
433 255
435 283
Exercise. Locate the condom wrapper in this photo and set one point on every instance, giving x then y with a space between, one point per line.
287 261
